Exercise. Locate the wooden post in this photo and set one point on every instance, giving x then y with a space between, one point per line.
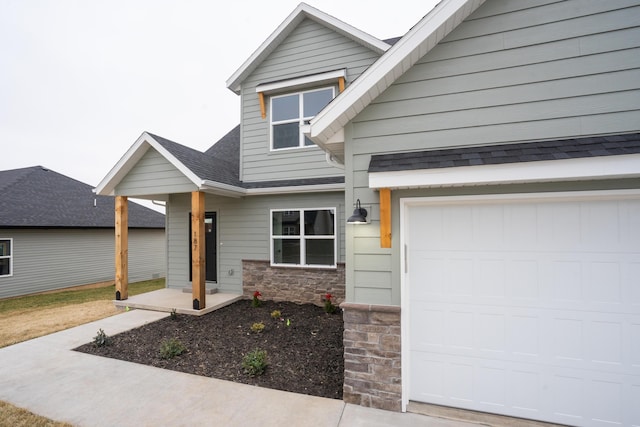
198 266
122 248
341 84
263 109
385 218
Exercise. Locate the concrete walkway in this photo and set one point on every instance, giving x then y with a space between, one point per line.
46 377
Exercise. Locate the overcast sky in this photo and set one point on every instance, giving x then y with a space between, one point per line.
80 80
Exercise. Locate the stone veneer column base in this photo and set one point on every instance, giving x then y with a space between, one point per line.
372 356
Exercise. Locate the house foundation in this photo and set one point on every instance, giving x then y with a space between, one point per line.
372 356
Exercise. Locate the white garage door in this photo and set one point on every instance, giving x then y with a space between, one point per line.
523 307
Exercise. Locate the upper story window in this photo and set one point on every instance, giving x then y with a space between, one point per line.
289 112
6 257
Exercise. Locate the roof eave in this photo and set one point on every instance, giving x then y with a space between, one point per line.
301 12
580 169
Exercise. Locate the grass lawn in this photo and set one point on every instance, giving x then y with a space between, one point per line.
24 318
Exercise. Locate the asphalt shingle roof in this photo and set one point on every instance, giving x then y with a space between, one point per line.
39 197
221 163
612 145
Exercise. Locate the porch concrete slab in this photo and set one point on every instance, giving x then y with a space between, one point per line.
47 377
167 300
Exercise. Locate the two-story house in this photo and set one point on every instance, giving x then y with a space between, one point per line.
496 151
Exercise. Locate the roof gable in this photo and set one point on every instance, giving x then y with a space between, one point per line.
302 12
196 166
423 37
39 197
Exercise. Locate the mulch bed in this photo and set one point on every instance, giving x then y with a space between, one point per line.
304 357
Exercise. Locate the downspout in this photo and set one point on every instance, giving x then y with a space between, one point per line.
332 161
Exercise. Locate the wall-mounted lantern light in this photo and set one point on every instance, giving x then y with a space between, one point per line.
359 215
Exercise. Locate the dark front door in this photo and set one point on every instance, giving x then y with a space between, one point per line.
211 245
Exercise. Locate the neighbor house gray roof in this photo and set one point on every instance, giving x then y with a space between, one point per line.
39 197
509 153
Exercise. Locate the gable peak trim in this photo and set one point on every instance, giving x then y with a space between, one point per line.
301 12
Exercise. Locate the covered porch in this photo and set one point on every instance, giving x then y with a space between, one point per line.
168 300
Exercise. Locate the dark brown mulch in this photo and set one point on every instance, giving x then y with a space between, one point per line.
305 357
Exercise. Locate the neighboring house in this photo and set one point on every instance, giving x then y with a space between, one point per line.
496 150
56 233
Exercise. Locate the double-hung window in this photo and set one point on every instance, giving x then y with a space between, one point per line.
303 237
6 257
291 111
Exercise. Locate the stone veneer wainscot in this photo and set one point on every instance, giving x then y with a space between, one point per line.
372 357
299 285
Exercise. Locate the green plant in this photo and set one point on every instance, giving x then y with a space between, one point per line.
257 327
329 306
275 314
101 339
171 348
255 362
256 299
174 314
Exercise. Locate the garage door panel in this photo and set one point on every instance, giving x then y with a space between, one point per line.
567 395
536 313
559 338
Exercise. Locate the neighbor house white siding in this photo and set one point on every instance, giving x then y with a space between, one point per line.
45 260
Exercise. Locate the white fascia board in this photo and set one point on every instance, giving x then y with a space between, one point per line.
132 156
300 13
295 189
591 168
302 81
425 35
108 184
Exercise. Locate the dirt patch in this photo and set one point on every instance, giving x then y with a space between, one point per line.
21 325
304 346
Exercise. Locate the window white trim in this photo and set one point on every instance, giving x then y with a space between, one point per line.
9 257
303 238
301 119
292 84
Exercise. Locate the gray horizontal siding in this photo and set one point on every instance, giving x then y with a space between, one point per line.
46 260
514 71
243 232
153 174
310 49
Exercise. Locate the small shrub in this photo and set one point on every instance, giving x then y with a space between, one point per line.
255 362
171 348
329 307
256 299
275 314
174 314
101 339
257 327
